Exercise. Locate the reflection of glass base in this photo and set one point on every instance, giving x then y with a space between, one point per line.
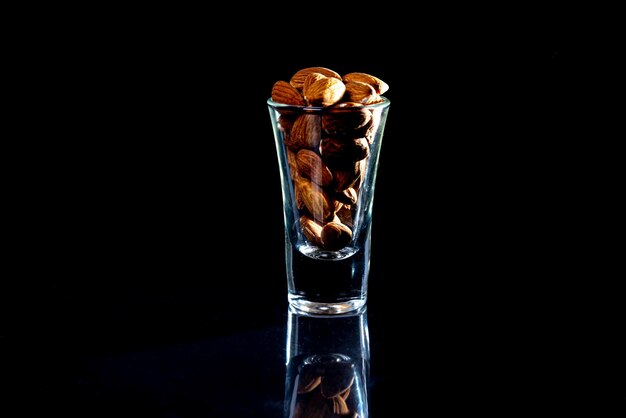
325 385
311 307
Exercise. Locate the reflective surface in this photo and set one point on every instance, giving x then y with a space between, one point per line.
285 365
327 365
450 353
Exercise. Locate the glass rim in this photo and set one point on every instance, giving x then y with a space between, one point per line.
384 103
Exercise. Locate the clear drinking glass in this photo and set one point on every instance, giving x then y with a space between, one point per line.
328 358
328 159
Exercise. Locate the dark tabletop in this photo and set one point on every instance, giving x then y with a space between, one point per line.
119 349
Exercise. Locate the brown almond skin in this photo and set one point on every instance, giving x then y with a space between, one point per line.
341 151
311 230
292 163
344 215
337 205
348 196
310 79
306 132
286 122
346 120
325 92
347 177
297 80
297 192
316 200
308 382
344 395
335 236
340 407
380 87
357 91
285 93
311 166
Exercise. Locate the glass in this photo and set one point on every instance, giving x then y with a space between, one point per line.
327 365
328 159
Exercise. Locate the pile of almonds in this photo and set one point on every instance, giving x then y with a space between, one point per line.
328 129
325 393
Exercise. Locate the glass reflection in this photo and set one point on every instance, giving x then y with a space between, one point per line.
327 365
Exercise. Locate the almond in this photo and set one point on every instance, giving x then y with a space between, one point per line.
297 193
357 91
292 163
325 92
285 93
307 382
373 127
297 80
346 119
347 177
380 87
311 166
348 196
362 168
310 79
335 236
344 215
340 407
337 205
317 202
286 122
341 151
344 395
306 132
312 232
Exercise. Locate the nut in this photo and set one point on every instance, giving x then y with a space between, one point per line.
283 92
344 395
338 152
325 91
380 87
357 91
297 192
310 79
292 163
347 177
286 122
311 230
311 166
298 79
335 236
308 382
348 196
306 132
344 215
340 407
316 200
337 205
346 119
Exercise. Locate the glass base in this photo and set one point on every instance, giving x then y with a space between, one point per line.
324 308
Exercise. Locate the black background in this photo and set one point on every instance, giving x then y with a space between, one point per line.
157 209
